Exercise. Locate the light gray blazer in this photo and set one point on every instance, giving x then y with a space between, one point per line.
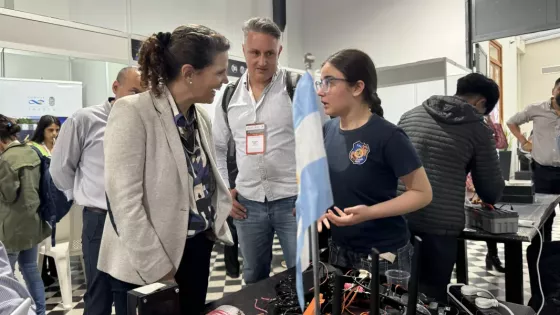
150 190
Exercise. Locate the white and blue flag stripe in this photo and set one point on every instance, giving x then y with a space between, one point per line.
314 186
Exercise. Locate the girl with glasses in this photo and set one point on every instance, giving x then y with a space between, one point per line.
367 157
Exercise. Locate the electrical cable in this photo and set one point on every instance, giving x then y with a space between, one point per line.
485 303
346 305
258 308
538 264
327 274
539 270
470 290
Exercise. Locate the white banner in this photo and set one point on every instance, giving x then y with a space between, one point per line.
21 98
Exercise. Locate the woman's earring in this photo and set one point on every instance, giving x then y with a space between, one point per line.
190 82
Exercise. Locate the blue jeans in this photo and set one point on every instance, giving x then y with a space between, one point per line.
27 260
256 234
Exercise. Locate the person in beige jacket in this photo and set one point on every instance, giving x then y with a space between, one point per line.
167 202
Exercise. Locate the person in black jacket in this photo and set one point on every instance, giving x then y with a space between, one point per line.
452 139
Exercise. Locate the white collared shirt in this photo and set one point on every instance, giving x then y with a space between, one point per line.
78 160
271 175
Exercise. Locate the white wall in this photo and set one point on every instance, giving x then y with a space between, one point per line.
293 35
402 98
392 32
24 65
510 82
148 17
30 34
511 86
52 8
93 76
536 86
223 16
96 77
109 14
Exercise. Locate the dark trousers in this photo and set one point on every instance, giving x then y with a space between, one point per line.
492 248
98 299
547 181
437 258
191 277
231 253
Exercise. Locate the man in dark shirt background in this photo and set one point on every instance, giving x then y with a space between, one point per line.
452 139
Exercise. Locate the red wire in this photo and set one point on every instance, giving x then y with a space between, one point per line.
258 308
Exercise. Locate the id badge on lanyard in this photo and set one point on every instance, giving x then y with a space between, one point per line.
255 138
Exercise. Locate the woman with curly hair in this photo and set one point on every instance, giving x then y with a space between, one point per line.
167 201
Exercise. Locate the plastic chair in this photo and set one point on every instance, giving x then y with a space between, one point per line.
68 244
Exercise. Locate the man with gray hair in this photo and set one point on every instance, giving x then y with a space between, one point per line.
256 114
77 167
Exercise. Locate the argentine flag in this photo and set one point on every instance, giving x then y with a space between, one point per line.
314 185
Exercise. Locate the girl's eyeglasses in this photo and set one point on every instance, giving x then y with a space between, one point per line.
325 84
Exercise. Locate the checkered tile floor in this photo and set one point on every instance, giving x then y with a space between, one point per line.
220 284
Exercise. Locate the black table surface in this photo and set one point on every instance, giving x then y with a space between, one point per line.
537 212
245 299
517 309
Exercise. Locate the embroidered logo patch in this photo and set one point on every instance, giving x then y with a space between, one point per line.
359 153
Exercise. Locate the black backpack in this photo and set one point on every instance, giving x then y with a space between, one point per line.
291 81
54 204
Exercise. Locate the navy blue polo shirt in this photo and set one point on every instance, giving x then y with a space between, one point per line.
364 166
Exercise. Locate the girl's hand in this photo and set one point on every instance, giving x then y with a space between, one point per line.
350 216
323 220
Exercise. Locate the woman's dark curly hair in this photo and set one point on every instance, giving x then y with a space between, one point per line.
162 56
8 128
